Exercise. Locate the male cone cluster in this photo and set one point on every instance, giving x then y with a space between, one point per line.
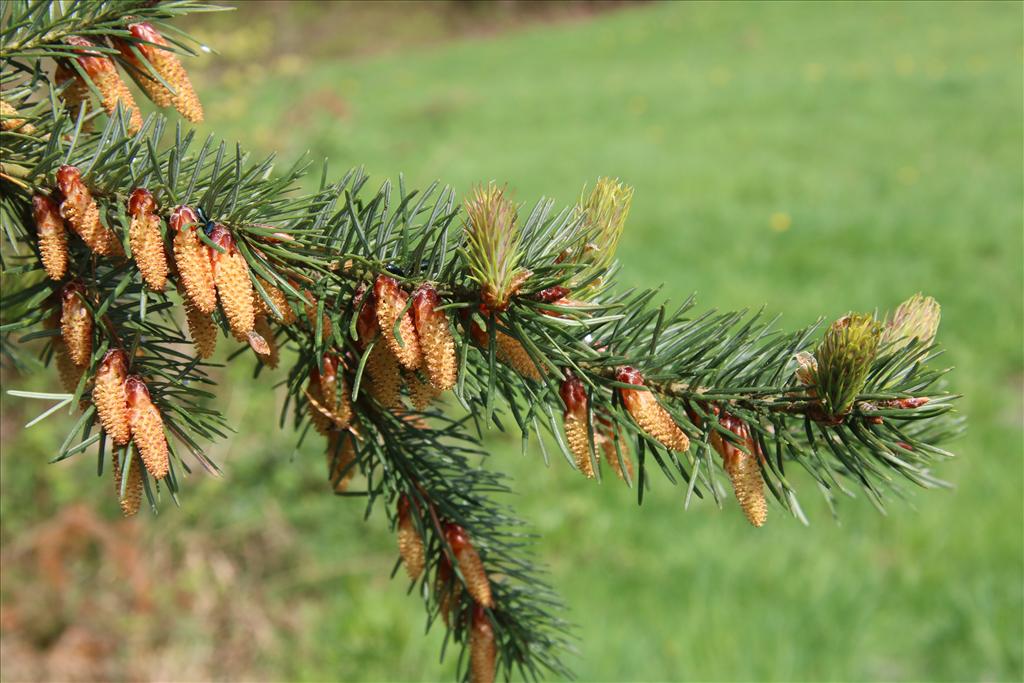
743 467
650 415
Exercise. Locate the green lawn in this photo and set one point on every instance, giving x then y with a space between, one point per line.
811 158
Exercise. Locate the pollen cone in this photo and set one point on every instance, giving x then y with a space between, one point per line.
483 650
132 500
649 414
145 239
147 429
447 588
435 338
234 288
744 469
341 454
385 375
410 544
470 564
76 325
165 63
108 394
513 354
81 212
201 327
575 422
192 258
104 76
285 315
391 301
53 239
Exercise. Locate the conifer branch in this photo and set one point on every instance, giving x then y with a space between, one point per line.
119 237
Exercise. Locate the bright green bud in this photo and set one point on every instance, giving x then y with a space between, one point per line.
916 318
844 360
493 245
604 213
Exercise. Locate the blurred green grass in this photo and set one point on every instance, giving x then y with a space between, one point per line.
811 158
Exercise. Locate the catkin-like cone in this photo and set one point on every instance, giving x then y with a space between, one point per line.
11 120
192 258
421 392
410 544
513 354
391 302
145 239
201 327
470 564
320 412
69 373
483 649
335 391
75 90
132 500
649 414
385 375
575 422
447 588
606 440
234 288
435 338
108 394
76 325
165 63
341 453
147 429
744 469
285 315
53 239
82 213
263 329
104 76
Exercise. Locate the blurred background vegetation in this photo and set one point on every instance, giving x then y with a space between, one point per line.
812 158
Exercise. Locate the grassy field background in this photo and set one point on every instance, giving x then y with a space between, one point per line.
815 159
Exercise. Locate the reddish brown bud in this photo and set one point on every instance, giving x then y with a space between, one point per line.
410 544
483 649
53 239
76 324
147 428
108 395
649 415
391 301
470 564
435 338
82 213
